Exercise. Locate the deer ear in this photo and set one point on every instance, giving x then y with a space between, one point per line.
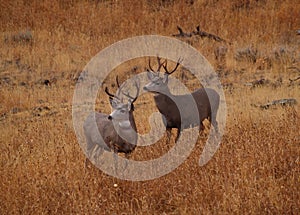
113 103
150 74
129 104
166 78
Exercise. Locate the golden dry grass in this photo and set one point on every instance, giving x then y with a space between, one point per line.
256 169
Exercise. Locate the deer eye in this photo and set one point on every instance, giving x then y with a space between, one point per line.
156 83
122 111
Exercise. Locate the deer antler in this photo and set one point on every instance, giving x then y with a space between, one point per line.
166 69
159 64
120 90
137 93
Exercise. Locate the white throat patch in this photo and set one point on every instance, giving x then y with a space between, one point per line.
125 124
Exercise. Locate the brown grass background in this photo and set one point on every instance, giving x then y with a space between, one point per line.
256 169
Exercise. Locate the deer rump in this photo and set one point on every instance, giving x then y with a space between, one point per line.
168 107
98 124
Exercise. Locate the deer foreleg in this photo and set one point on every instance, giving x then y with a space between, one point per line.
178 134
116 160
214 122
169 133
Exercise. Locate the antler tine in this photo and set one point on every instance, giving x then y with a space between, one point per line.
137 91
119 87
117 80
166 69
120 90
150 66
108 93
160 64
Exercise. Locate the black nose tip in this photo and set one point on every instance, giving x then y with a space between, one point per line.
109 117
145 88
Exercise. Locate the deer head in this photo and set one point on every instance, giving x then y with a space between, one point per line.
159 84
121 110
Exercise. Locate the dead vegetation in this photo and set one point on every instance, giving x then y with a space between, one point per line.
45 45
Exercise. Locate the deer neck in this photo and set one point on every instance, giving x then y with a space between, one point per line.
164 93
164 96
124 124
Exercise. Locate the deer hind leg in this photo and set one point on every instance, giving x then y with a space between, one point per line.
214 122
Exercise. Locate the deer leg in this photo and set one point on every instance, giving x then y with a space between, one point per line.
86 163
201 126
127 156
91 150
178 134
169 133
214 122
115 156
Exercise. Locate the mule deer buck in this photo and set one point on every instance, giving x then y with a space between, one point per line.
118 129
206 99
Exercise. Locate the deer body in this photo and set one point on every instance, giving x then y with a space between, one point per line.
206 100
114 132
119 137
168 107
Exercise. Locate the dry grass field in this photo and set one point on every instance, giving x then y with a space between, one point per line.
46 44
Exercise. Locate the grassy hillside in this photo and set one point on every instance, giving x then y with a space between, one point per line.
46 44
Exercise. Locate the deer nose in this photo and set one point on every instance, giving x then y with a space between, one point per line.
110 117
145 88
